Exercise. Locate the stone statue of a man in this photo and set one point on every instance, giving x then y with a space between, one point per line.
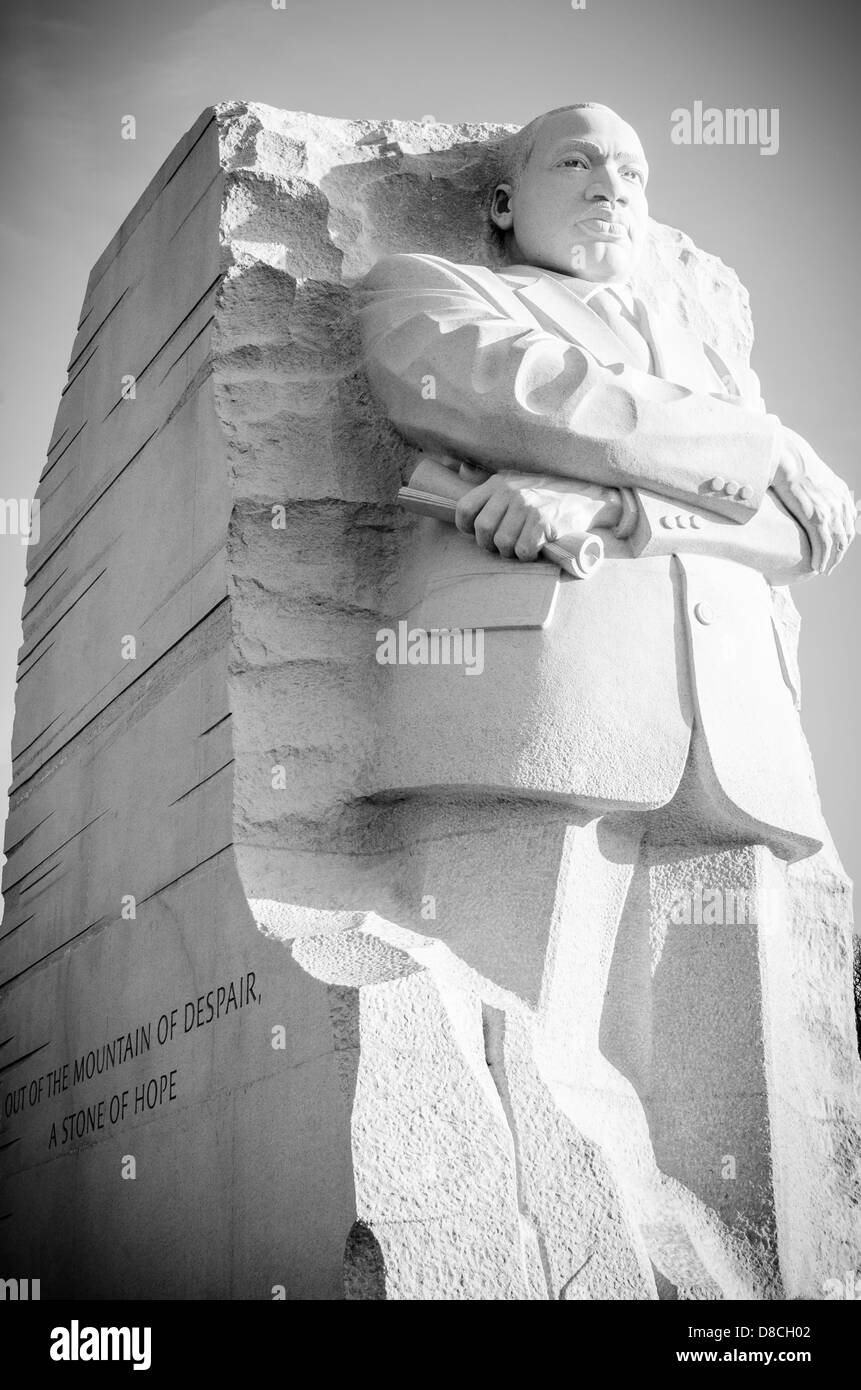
643 716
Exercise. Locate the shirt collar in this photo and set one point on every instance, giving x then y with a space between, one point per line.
586 289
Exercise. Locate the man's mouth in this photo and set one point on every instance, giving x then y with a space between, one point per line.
605 227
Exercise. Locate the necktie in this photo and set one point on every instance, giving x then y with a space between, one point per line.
611 309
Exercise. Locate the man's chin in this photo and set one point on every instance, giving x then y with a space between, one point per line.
602 260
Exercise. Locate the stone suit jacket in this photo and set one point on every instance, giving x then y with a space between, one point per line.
590 688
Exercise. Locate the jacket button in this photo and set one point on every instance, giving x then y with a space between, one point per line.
696 522
704 613
668 521
717 484
745 493
681 520
731 489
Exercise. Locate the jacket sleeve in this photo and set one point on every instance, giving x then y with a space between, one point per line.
456 372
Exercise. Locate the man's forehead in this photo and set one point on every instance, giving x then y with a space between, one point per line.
597 126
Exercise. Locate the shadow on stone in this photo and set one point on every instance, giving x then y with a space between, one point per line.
364 1267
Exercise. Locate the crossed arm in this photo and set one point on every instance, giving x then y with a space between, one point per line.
514 514
459 374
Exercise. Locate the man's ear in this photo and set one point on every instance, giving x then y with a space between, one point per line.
501 212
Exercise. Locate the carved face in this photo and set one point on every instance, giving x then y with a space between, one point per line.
579 203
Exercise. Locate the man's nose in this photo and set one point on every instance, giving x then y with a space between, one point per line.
608 184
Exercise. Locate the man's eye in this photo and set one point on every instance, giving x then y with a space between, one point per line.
575 159
637 174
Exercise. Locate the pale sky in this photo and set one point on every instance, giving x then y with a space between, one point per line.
788 223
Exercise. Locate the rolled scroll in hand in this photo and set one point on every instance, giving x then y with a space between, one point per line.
435 490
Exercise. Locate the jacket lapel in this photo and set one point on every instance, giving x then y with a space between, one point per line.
678 353
561 311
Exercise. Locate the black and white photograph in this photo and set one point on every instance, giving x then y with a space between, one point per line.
429 671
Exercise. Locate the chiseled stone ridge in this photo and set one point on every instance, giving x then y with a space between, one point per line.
317 554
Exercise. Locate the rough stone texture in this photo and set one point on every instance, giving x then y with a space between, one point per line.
416 1140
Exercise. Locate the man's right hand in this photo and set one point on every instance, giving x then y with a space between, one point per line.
516 513
819 501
